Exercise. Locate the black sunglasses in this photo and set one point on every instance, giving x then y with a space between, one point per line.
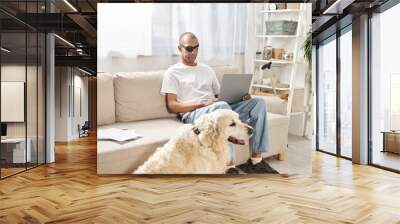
190 48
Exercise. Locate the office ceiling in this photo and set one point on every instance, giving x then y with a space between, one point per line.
331 15
76 22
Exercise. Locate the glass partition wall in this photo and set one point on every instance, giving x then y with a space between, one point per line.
22 87
326 101
385 90
346 95
334 94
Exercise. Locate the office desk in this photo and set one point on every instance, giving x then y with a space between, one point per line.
391 141
13 150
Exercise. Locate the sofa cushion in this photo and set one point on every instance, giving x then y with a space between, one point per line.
274 104
277 125
137 96
277 120
105 99
116 158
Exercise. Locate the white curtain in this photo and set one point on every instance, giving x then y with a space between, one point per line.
123 33
250 42
126 31
221 29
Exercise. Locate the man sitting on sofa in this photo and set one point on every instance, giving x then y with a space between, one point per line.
191 89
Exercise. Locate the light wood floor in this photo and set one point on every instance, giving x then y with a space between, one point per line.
387 159
10 171
70 191
297 157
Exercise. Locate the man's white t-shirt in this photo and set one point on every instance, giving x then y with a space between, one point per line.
191 83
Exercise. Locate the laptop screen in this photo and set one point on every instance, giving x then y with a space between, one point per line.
3 129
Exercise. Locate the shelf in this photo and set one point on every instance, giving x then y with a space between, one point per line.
269 87
274 61
279 61
294 108
277 36
297 113
280 11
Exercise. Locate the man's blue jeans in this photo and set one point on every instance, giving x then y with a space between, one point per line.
252 111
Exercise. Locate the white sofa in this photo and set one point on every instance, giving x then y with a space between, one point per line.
133 101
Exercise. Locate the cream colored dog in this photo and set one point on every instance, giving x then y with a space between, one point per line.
201 148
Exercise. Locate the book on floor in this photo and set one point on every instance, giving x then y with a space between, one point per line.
117 134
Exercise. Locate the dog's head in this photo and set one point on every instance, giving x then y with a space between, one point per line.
223 125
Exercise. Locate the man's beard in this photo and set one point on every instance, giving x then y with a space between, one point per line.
190 59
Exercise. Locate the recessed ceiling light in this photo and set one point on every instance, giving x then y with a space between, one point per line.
5 50
86 72
70 5
338 6
64 40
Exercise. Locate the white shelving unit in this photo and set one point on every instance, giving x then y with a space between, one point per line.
277 36
268 15
288 69
280 11
275 62
277 88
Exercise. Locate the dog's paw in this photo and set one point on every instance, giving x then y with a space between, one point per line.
232 171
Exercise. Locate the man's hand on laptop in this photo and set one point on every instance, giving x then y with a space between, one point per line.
207 102
246 97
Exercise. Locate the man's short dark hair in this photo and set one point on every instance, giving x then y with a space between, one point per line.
184 34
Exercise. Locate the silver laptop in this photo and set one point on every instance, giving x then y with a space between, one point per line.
234 87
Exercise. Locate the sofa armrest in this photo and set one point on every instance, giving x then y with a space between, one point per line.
274 104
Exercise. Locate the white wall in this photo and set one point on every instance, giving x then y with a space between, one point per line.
33 127
14 72
68 81
79 117
61 103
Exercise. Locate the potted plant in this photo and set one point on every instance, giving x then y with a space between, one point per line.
307 48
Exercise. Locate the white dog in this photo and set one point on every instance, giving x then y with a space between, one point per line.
201 148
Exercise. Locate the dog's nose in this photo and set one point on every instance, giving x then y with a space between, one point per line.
250 130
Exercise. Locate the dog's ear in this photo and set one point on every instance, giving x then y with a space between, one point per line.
208 130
